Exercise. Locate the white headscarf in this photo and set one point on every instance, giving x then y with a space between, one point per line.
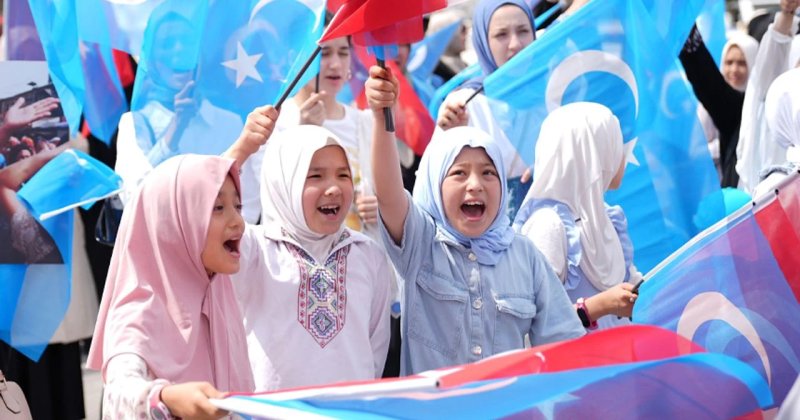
749 47
782 109
287 158
578 152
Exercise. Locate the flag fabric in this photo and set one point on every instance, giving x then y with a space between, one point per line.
34 297
673 20
608 53
377 22
118 24
711 24
56 22
83 72
206 65
105 100
423 58
656 371
72 179
21 37
425 54
726 291
441 93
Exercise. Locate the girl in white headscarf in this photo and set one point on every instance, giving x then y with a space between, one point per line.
755 151
579 156
315 294
782 114
738 57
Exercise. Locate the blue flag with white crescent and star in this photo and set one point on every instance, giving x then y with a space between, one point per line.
206 65
726 292
35 268
608 53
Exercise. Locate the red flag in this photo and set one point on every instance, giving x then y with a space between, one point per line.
627 344
380 22
635 343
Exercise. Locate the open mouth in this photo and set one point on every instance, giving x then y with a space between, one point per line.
473 209
329 210
232 246
334 77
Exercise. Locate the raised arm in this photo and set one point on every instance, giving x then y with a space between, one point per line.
14 175
257 129
381 91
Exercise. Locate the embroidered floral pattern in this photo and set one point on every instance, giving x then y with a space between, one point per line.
322 296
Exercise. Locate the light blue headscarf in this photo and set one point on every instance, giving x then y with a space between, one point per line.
437 160
480 35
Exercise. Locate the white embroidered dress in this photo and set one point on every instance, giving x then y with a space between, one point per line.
310 322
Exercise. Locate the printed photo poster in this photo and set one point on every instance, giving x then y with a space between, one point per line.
41 178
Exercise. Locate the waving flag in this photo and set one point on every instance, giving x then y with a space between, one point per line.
658 372
441 93
83 72
673 20
425 54
725 291
206 65
56 22
608 53
378 22
34 295
711 24
118 24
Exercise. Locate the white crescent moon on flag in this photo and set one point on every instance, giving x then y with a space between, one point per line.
711 306
583 62
668 79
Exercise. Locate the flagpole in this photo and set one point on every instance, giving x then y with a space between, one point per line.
387 112
297 78
474 94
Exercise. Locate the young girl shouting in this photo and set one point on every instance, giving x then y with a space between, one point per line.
314 293
472 287
169 333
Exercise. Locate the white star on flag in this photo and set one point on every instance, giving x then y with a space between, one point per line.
629 156
244 65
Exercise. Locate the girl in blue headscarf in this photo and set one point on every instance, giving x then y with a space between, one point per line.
472 287
500 30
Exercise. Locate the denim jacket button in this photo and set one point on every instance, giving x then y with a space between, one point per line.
477 350
477 303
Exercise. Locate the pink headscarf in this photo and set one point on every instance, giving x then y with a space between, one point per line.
159 302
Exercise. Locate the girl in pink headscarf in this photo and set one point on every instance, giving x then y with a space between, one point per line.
169 334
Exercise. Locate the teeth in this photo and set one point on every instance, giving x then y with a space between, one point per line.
473 203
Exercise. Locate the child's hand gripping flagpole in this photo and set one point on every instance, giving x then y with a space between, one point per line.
387 112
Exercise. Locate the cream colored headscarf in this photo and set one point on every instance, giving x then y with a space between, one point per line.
578 152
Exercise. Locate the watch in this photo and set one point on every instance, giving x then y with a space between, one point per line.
583 314
158 410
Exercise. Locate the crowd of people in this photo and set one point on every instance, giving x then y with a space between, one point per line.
302 250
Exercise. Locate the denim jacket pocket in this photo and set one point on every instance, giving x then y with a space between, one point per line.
437 310
513 320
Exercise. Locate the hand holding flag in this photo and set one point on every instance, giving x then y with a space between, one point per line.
257 130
